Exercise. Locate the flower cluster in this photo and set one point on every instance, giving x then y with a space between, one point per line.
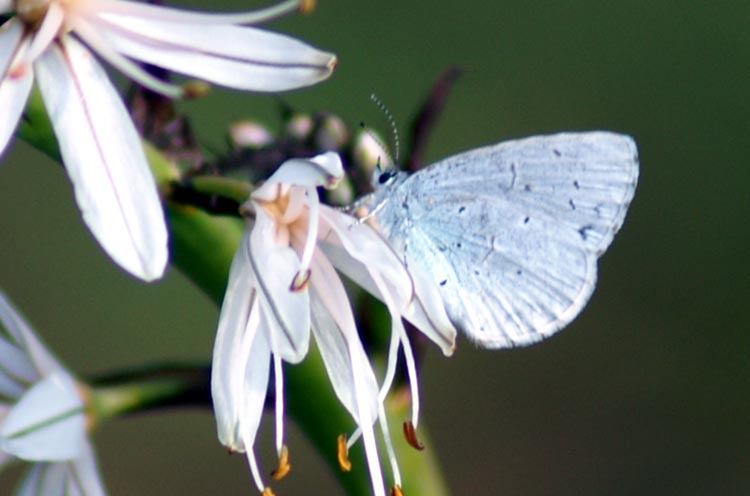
49 42
285 283
42 414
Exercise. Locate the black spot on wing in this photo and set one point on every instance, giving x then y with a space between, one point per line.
584 231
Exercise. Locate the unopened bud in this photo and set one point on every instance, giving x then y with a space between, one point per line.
300 126
332 135
249 135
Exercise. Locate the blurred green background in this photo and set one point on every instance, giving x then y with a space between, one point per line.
647 392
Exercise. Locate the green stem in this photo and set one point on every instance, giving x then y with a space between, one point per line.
149 388
233 189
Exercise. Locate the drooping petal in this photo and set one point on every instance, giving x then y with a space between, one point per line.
238 321
254 397
244 58
362 244
14 88
357 251
321 170
333 326
47 423
102 152
286 313
356 388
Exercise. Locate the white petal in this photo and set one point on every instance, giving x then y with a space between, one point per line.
360 386
45 32
6 6
356 250
104 157
84 474
14 91
320 170
10 387
238 320
138 9
34 360
133 70
285 313
367 247
5 458
238 57
333 327
47 423
11 33
32 484
255 388
79 477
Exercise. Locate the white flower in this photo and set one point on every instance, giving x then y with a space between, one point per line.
42 418
281 286
47 42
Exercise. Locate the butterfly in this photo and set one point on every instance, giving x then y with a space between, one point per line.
510 233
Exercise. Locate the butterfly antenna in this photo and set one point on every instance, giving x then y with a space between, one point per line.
391 121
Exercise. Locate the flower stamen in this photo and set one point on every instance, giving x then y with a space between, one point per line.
397 491
303 275
343 454
301 281
307 6
196 89
389 445
284 466
279 377
19 70
410 433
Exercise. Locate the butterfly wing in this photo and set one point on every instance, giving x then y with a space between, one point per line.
511 233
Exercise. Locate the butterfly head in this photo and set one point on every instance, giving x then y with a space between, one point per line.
383 177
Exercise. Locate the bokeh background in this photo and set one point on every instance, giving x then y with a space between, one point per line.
647 392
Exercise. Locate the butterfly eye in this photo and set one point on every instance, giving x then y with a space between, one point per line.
386 176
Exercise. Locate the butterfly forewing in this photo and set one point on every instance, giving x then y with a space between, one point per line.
511 232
